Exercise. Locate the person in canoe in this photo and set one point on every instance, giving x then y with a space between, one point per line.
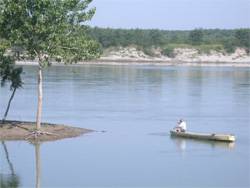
181 126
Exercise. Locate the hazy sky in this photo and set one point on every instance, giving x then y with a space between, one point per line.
172 14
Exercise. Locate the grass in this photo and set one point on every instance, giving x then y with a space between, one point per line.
207 48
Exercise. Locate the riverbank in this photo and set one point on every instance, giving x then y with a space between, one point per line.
182 57
146 62
178 55
20 130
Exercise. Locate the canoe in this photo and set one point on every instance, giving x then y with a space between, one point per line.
204 136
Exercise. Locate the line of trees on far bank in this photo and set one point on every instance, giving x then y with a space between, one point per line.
202 39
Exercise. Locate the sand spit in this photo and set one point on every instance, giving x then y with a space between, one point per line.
20 130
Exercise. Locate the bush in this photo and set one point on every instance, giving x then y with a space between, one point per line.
168 51
196 37
148 51
243 37
229 46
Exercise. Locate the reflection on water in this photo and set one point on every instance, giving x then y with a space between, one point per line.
12 179
8 180
38 165
8 158
182 143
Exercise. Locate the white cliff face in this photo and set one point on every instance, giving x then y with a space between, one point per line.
181 54
124 53
240 55
133 54
186 54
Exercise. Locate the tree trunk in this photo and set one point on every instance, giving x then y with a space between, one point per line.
8 107
40 98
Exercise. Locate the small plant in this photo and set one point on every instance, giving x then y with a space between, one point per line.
148 51
168 51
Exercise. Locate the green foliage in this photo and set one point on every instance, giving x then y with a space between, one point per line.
243 38
168 51
176 45
48 28
10 73
123 37
229 46
148 51
196 37
207 48
79 47
204 40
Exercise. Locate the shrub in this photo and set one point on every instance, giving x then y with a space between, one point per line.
168 51
148 51
196 37
229 46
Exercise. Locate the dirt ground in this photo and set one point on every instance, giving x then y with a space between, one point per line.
17 130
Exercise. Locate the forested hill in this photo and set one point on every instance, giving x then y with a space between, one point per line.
201 39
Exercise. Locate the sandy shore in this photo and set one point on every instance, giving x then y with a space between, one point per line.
146 62
17 130
182 57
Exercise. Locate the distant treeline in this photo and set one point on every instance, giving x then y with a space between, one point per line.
201 39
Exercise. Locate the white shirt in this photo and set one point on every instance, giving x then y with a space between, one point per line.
183 125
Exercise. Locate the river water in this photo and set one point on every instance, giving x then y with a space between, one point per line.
132 108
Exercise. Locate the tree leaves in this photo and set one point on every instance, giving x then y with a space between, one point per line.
8 72
49 28
196 37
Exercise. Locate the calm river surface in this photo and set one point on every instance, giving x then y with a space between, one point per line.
136 106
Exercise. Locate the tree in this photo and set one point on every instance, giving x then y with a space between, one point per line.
196 36
48 30
156 37
243 38
229 45
9 73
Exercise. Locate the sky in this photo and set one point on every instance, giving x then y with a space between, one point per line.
172 14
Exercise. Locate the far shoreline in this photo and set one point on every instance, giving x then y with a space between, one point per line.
145 62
